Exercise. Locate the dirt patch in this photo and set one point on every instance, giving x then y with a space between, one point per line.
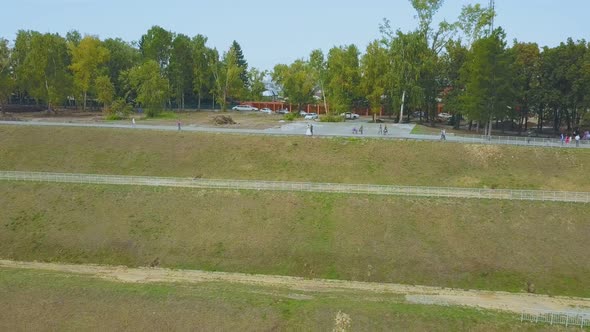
223 120
513 302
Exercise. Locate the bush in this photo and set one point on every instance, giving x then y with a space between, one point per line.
165 115
290 116
331 118
119 110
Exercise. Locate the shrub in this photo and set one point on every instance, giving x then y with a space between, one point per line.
331 118
119 110
290 116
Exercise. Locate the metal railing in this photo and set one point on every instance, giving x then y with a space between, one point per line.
569 319
372 189
518 140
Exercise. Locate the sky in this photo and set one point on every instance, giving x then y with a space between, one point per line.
273 32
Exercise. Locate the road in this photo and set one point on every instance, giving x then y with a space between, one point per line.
322 129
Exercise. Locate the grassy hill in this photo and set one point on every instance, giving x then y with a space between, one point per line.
135 152
35 300
485 244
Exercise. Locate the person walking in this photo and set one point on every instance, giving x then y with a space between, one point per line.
308 131
385 131
361 130
133 122
562 137
178 123
380 130
311 128
577 138
443 134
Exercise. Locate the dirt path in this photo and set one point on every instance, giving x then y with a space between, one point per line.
416 294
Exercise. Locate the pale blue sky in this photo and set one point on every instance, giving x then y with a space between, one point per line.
272 32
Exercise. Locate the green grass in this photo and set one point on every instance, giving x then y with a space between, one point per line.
483 244
40 300
135 152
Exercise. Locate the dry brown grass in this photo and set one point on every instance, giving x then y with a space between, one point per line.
112 151
481 244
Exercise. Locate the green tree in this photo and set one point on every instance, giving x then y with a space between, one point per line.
451 63
256 79
150 86
318 65
45 68
156 45
105 90
6 80
526 71
181 60
228 82
87 59
241 62
297 82
204 60
374 67
488 80
123 56
343 77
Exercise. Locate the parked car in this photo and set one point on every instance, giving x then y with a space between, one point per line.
350 116
311 116
244 108
444 116
283 111
302 113
266 110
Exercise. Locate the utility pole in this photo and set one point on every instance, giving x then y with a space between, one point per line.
492 6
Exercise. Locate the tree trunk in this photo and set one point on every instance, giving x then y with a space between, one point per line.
85 99
199 102
401 112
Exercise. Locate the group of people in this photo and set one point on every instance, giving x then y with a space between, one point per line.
383 130
359 131
309 131
567 139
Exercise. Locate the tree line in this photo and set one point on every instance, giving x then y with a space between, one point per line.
467 65
162 69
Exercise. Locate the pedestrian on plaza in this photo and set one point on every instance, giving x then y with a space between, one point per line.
354 131
577 140
311 128
385 131
568 139
178 123
133 122
308 131
443 134
361 130
380 130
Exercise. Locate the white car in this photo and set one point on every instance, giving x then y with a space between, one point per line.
302 113
311 116
445 116
266 110
350 116
244 108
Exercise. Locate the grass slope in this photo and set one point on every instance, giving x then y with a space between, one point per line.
483 244
135 152
38 300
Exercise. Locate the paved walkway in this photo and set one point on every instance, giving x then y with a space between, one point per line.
324 129
367 189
